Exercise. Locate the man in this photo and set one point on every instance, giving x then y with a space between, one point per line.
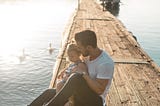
86 90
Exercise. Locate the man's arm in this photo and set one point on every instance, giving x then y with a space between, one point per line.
97 85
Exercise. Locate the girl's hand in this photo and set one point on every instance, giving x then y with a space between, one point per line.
61 74
74 69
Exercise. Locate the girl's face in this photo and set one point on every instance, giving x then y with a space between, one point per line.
73 56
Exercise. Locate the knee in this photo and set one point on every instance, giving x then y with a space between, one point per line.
76 77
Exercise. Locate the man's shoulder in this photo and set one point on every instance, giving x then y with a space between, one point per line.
106 57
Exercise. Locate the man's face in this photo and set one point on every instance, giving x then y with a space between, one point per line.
83 49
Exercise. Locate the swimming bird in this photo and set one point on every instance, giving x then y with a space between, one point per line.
22 56
50 49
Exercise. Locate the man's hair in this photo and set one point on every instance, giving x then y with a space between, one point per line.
86 37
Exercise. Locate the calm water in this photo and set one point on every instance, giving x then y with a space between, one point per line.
142 18
33 24
30 25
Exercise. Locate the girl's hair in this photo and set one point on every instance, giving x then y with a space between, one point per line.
73 47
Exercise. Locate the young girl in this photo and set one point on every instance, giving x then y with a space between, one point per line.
76 66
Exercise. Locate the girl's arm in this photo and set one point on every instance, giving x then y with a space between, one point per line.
81 67
61 74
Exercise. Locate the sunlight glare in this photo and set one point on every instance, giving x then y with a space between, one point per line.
20 22
24 21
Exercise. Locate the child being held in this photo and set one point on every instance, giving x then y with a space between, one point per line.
76 66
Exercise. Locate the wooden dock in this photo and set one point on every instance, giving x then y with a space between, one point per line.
136 79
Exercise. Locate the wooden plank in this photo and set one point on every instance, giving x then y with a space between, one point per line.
98 19
108 49
130 61
140 80
131 82
120 82
113 93
136 79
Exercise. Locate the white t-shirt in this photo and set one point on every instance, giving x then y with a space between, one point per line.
102 68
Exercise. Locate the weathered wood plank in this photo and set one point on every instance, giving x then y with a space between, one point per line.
120 86
136 79
130 61
144 87
113 93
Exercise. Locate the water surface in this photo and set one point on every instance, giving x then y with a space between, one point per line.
142 18
29 26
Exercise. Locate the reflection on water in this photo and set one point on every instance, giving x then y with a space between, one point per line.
141 17
26 29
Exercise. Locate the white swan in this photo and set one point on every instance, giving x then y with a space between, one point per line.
22 56
50 49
